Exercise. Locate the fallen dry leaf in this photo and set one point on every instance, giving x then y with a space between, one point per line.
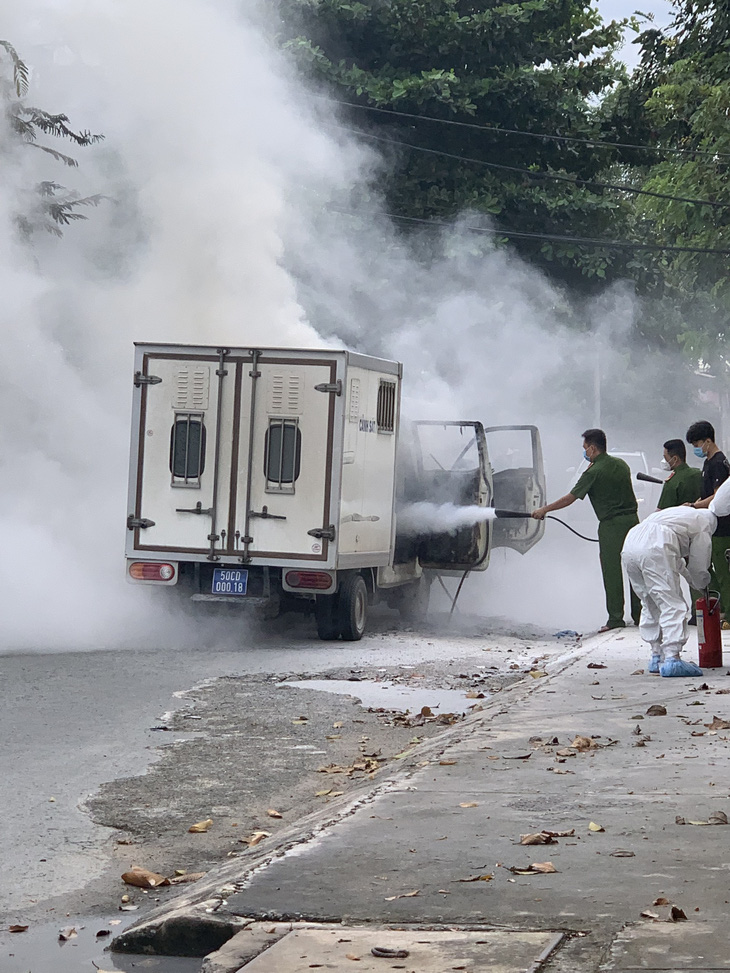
476 878
472 694
186 877
70 932
537 673
273 813
516 756
583 743
143 878
676 914
648 914
323 793
595 827
17 928
638 672
469 804
255 838
338 725
352 956
660 901
447 763
200 826
536 868
596 665
622 853
717 817
657 710
718 724
537 838
403 895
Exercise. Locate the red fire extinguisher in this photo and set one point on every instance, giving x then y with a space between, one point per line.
708 631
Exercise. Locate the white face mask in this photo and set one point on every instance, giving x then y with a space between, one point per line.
664 465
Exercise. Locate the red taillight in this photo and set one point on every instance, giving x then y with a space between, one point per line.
151 571
308 579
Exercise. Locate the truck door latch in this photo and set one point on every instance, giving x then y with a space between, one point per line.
140 379
134 522
323 533
197 509
335 387
265 515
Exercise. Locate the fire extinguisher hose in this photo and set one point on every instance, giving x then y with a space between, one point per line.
593 540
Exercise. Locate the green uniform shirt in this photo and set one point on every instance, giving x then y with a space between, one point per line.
684 485
607 483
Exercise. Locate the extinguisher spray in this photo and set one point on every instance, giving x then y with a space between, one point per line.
709 638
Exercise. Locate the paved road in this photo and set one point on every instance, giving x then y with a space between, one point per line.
72 721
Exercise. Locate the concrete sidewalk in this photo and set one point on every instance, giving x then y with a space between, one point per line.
456 811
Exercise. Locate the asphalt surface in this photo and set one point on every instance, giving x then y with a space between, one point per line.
113 754
637 877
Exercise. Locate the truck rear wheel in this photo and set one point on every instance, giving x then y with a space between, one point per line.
353 607
327 617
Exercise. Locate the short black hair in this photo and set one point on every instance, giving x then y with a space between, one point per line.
675 447
700 431
596 437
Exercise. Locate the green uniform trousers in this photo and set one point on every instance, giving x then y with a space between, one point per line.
611 536
721 572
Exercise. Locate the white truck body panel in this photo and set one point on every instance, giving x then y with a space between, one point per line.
237 455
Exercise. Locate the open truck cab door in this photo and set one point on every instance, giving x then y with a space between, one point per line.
452 467
518 479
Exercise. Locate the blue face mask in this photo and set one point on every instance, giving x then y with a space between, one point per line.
698 452
586 456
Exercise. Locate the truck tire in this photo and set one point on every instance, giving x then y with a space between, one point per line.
327 617
353 607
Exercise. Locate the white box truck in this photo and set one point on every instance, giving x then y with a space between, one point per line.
273 477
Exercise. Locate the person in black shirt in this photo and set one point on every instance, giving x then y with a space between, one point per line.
716 469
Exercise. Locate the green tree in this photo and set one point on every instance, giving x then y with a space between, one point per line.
679 96
535 65
49 205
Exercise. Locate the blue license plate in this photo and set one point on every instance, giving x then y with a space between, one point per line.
229 581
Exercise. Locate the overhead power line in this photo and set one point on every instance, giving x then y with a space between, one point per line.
555 238
532 174
532 135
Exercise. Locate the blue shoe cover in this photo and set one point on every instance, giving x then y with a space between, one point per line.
678 667
654 664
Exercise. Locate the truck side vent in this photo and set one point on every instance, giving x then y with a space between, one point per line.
187 449
354 411
282 455
386 406
285 393
191 389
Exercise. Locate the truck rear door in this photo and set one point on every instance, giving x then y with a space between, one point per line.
451 459
518 478
233 455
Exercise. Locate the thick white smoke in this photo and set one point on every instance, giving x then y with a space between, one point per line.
230 217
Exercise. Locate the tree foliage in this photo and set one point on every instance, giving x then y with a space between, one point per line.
535 65
50 206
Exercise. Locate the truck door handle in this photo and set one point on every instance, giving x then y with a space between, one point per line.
265 515
197 509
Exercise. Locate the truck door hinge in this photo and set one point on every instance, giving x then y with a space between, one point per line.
335 387
265 515
140 379
323 533
197 509
134 522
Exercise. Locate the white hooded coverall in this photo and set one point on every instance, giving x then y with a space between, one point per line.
654 555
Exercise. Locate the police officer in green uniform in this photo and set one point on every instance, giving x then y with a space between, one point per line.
607 482
684 483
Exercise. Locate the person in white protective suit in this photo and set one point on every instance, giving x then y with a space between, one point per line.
668 545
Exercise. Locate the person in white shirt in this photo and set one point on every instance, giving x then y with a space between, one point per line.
668 545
